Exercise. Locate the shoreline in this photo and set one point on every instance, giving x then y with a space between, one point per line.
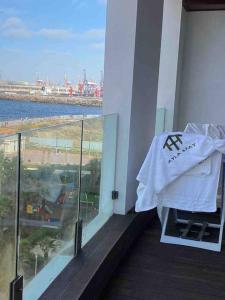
53 99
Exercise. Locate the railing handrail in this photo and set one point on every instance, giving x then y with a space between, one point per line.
23 132
61 125
8 135
49 127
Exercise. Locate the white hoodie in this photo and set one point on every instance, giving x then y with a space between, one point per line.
172 155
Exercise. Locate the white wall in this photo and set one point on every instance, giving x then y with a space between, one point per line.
118 83
202 92
169 58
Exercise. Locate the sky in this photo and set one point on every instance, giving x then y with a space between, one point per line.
47 39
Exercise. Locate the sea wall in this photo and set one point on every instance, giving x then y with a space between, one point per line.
84 101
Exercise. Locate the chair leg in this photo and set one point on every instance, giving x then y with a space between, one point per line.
187 229
202 231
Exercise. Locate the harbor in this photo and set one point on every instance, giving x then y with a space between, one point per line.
84 92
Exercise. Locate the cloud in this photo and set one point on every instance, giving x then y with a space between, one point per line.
12 22
104 2
94 34
9 11
15 27
84 3
75 2
53 53
66 34
98 46
56 33
80 4
13 51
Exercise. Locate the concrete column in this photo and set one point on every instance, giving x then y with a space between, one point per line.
133 40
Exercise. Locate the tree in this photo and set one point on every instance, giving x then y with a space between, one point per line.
8 174
91 182
46 239
7 212
6 207
27 259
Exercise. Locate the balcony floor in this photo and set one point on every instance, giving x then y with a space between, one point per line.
152 270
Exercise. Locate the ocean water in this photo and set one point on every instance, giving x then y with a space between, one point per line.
11 110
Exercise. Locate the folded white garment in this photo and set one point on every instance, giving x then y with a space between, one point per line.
172 177
191 192
216 132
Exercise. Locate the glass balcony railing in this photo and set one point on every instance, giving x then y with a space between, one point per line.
97 173
50 159
61 179
8 212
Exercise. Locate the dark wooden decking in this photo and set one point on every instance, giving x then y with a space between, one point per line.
152 270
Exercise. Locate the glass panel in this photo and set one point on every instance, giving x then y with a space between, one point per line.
160 120
50 163
8 200
98 168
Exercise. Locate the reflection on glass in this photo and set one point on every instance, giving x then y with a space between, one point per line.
52 181
49 204
160 120
97 176
8 195
91 169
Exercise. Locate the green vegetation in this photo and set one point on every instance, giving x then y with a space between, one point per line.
7 221
45 239
36 245
6 206
48 210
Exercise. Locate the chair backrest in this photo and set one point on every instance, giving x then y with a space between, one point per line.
212 130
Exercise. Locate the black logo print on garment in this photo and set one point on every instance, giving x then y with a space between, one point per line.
173 141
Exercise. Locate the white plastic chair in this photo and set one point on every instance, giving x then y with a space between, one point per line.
215 131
